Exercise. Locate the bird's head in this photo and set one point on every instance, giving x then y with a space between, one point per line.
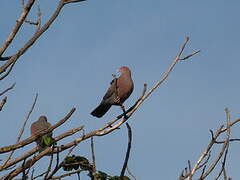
124 69
43 118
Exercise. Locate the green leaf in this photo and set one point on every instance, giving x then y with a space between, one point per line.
47 141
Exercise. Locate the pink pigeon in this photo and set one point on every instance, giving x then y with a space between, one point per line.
119 90
38 126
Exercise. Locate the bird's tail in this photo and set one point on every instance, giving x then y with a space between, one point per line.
101 110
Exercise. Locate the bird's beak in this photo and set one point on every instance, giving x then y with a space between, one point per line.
118 73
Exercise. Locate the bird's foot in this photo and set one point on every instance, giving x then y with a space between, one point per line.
124 111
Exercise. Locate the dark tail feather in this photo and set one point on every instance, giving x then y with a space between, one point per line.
101 110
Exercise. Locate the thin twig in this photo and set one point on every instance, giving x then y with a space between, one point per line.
31 22
190 169
49 167
223 170
128 150
130 173
3 102
206 152
40 175
24 175
93 159
67 174
5 58
23 127
39 17
224 147
32 175
6 90
57 167
19 22
206 161
9 70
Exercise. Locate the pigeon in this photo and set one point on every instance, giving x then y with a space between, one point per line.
120 89
45 140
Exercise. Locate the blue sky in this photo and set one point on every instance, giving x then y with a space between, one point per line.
71 66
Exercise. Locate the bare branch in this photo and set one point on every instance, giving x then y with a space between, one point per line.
49 167
32 173
225 145
206 161
31 22
205 153
39 17
40 175
22 129
3 102
128 150
93 159
190 55
9 70
190 170
67 174
6 90
19 23
36 149
5 58
130 173
33 138
72 1
223 170
39 32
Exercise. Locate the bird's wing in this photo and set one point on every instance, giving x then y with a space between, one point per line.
111 90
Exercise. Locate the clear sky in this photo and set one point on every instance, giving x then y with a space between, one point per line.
71 66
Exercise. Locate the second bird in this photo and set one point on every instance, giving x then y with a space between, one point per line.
119 90
40 125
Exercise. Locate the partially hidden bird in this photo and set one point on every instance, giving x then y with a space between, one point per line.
40 125
120 89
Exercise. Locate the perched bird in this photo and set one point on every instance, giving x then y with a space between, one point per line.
38 126
120 89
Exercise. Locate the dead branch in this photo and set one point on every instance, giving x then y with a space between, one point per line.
3 102
49 167
29 43
131 174
93 159
19 23
128 150
66 174
206 154
6 90
33 138
9 70
22 129
5 58
31 22
36 149
225 146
